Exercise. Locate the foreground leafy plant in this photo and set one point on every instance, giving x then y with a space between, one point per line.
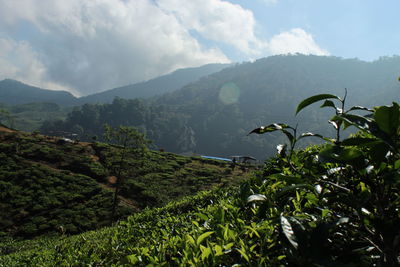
346 188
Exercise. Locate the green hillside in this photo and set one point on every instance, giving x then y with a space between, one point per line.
53 186
330 205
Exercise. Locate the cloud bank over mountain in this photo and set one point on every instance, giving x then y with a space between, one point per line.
88 46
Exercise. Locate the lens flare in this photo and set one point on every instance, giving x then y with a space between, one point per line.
229 93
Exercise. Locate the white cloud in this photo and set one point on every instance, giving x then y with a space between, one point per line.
100 44
295 41
220 21
18 61
93 45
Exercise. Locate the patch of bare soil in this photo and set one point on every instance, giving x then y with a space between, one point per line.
5 129
95 158
112 179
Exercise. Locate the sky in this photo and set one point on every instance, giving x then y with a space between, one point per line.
88 46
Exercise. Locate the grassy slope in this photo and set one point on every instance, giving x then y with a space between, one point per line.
49 187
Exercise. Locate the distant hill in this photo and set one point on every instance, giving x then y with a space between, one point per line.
29 106
213 115
14 92
156 86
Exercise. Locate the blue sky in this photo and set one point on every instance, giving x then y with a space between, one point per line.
364 29
87 46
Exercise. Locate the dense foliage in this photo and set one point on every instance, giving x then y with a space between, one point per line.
52 185
330 205
47 188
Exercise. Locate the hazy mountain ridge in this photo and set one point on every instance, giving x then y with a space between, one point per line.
156 86
13 92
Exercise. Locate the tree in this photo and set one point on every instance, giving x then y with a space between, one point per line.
131 142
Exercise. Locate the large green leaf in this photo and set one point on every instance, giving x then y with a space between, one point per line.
308 134
360 108
360 141
367 125
308 101
328 103
203 236
289 136
336 154
358 121
275 127
288 232
293 230
270 128
256 197
388 118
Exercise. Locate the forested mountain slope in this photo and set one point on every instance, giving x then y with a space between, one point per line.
213 115
157 86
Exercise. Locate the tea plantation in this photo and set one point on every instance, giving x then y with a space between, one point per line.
50 186
336 204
